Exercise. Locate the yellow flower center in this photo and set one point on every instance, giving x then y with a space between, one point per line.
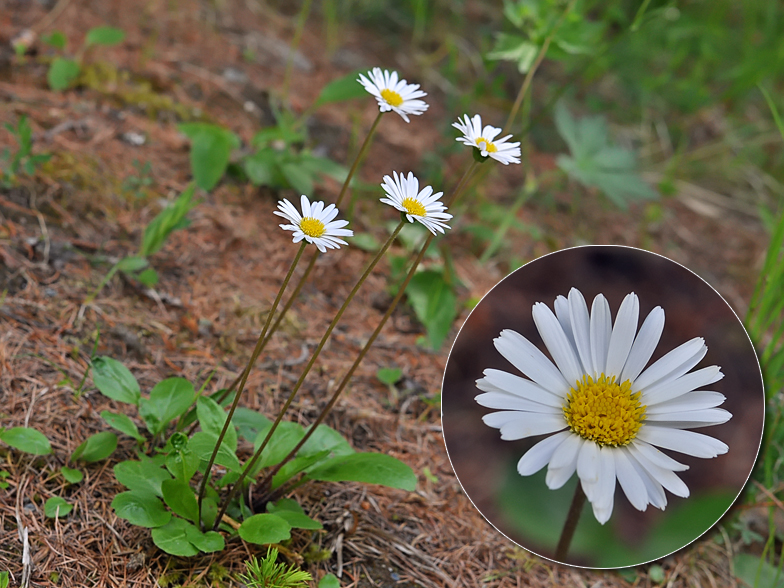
392 97
414 207
488 146
605 412
312 227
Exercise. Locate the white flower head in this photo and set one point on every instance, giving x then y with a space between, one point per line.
403 193
485 140
606 416
393 93
315 224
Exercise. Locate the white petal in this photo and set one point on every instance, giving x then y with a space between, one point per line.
601 328
537 457
697 400
604 492
519 425
507 401
687 442
656 495
498 380
527 358
588 466
562 312
581 326
695 418
667 390
656 456
622 335
673 365
557 343
644 344
630 481
564 461
663 476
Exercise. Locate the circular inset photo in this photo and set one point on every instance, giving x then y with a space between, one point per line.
602 406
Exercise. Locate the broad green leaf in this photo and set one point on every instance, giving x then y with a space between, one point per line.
323 166
366 242
208 542
298 177
329 581
434 303
326 437
179 497
756 572
249 422
26 439
342 89
62 73
277 134
142 476
71 475
166 221
211 146
140 509
264 529
203 444
114 380
209 510
370 468
168 399
122 423
290 511
173 538
96 447
262 168
183 464
299 464
389 376
148 277
57 507
516 49
56 39
284 439
104 36
132 264
212 418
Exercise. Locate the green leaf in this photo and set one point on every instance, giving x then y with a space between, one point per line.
262 168
148 277
141 509
290 511
122 423
299 464
179 497
183 464
62 73
96 447
370 468
209 510
71 475
114 380
249 422
342 89
167 221
366 242
656 574
141 476
434 303
26 439
132 264
326 438
173 538
389 376
211 146
104 36
516 49
264 529
757 572
168 399
284 439
298 177
212 418
56 39
329 581
208 542
57 507
203 444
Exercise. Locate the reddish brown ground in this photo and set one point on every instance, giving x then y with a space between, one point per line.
222 273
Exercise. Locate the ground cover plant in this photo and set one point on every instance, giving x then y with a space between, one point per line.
118 389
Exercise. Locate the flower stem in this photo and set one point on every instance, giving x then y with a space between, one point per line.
360 156
576 508
347 377
246 372
249 465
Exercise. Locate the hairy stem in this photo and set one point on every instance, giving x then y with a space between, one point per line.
572 518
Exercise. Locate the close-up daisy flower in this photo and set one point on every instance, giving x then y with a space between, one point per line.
315 224
424 206
606 415
393 93
485 140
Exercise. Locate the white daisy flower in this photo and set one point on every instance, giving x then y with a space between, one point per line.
403 193
315 224
485 140
605 415
394 94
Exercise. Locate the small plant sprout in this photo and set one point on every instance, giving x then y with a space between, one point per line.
605 414
316 224
484 139
425 207
393 93
268 573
